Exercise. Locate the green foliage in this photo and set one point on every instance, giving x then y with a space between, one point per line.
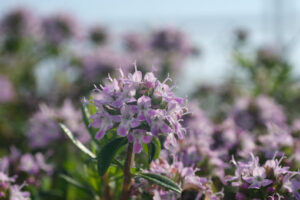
85 116
152 149
108 153
161 181
76 141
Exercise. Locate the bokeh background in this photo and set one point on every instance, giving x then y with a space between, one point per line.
236 61
209 24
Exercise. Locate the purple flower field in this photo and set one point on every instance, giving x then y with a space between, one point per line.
88 114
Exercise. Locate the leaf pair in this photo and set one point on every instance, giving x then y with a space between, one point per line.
108 152
106 155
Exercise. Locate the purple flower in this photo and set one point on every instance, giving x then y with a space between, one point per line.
45 131
6 90
127 120
170 40
19 22
271 178
28 164
157 122
102 121
58 28
98 63
134 102
10 190
98 35
143 106
17 194
258 178
138 137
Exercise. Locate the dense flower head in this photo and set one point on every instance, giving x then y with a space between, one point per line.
98 35
270 179
133 42
249 114
170 40
139 107
19 22
6 90
58 28
10 190
29 167
44 130
196 148
99 63
183 176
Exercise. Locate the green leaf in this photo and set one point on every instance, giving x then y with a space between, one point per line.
86 116
152 149
107 154
76 141
157 144
75 183
161 181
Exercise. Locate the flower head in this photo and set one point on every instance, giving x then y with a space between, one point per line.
139 107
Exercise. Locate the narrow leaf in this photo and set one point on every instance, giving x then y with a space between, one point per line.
86 116
107 154
157 144
161 181
76 141
151 151
75 183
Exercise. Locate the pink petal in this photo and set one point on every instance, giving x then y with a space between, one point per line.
130 138
165 128
154 130
96 123
122 131
100 134
147 139
135 123
137 147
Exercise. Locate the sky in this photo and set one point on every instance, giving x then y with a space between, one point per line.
103 10
209 23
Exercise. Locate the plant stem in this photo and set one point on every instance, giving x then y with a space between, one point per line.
127 175
106 192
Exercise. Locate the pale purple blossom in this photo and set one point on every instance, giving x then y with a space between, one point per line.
19 22
6 90
273 178
10 190
59 28
258 178
17 194
139 107
44 130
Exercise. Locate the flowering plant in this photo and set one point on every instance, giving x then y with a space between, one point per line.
133 110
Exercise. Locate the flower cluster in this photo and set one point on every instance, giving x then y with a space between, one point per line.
271 180
185 177
6 90
19 22
29 168
9 189
252 113
44 130
58 28
140 107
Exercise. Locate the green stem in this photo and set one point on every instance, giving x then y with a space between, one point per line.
127 175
